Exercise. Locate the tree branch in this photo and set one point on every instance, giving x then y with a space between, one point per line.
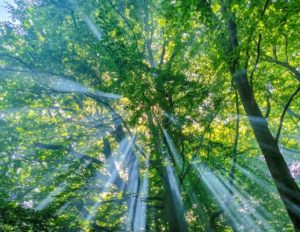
286 65
78 155
127 23
284 112
268 106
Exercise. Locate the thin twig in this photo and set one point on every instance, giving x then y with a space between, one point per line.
284 112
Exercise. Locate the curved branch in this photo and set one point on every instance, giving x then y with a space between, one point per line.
20 60
264 9
284 112
252 32
127 23
268 106
78 155
286 65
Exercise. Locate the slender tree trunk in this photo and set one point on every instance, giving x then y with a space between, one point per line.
287 187
173 204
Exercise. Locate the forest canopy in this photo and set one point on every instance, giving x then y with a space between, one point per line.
150 115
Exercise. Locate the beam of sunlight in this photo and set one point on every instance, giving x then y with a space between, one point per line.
92 212
141 210
262 183
59 189
123 150
133 185
173 182
172 118
62 209
173 149
58 83
132 188
219 191
126 148
242 214
92 27
97 204
61 84
47 179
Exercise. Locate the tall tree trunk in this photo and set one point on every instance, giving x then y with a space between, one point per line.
173 204
287 187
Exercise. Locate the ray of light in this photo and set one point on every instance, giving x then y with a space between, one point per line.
173 149
242 214
141 209
59 189
122 150
93 28
261 182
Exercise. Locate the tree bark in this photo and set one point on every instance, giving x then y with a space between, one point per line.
173 204
287 187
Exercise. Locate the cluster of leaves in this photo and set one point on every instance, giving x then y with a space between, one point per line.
16 218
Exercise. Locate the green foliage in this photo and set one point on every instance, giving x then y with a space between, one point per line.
62 63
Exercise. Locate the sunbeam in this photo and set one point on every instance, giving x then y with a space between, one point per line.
141 208
238 208
59 189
